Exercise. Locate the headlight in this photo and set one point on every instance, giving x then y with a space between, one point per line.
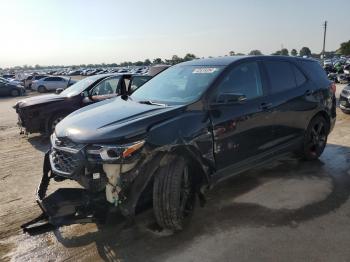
114 152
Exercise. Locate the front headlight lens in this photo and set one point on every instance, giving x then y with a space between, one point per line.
115 152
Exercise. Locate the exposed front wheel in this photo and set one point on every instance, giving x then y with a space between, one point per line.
54 121
173 194
315 138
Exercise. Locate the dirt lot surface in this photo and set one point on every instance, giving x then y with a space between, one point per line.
288 211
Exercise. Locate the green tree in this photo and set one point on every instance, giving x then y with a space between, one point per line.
344 48
284 51
294 52
147 62
305 51
278 52
157 61
232 53
189 57
255 52
175 60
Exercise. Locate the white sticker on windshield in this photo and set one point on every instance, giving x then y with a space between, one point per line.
204 70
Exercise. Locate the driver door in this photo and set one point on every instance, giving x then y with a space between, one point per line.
242 129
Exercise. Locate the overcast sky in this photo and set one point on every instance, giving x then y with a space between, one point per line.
67 32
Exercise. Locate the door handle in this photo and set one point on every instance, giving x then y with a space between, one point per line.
265 106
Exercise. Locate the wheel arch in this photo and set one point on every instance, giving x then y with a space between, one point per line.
198 169
53 114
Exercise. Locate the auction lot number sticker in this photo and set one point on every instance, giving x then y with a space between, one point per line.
204 70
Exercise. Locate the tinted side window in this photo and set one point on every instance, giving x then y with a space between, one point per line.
106 87
48 79
299 76
281 76
243 79
315 72
138 81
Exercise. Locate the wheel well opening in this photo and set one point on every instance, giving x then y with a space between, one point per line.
198 176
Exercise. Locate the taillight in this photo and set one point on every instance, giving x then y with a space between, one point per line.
333 88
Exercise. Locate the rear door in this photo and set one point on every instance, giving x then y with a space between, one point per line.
291 94
242 130
60 82
50 83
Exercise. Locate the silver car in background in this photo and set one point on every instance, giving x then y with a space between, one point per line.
51 83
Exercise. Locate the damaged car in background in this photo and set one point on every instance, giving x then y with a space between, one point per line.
8 88
344 100
188 128
42 113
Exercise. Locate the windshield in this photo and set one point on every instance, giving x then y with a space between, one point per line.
178 84
80 86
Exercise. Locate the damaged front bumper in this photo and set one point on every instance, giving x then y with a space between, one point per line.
68 206
65 206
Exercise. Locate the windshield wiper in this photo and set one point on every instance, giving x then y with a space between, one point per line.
149 102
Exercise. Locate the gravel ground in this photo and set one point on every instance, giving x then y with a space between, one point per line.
287 211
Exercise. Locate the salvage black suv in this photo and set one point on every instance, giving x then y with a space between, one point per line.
191 126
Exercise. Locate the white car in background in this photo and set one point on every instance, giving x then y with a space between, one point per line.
51 83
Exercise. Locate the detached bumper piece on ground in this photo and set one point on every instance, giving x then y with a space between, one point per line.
65 206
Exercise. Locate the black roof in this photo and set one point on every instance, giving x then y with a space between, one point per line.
227 60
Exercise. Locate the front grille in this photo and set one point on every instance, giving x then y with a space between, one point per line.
64 163
66 156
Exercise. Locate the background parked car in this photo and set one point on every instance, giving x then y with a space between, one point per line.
43 113
51 83
9 89
344 99
29 80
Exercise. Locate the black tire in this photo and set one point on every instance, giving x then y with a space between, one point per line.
42 89
173 194
315 138
15 92
54 121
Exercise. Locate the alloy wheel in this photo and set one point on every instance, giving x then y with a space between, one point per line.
317 139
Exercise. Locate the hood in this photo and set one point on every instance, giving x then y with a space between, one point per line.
113 120
39 100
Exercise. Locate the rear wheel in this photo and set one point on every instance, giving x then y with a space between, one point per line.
14 92
345 111
315 138
41 89
173 194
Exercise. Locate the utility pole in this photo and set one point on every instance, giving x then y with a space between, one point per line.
324 39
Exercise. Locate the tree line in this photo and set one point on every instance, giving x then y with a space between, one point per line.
344 49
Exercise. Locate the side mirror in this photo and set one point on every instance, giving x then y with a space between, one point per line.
230 98
85 93
59 90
